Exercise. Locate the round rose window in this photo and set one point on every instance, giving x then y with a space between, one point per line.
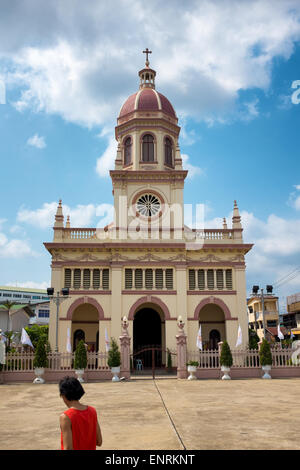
148 205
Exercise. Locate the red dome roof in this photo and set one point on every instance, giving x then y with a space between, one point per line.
147 99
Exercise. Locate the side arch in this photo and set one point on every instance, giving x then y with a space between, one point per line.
85 300
216 301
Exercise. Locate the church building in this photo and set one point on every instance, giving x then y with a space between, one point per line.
147 265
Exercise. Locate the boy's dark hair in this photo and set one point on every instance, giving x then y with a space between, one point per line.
71 388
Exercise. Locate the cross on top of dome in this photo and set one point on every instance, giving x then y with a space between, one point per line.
147 75
147 52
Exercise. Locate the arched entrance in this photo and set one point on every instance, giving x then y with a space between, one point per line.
212 321
149 331
85 325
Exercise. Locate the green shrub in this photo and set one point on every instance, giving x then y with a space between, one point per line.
114 355
265 354
80 356
226 356
193 363
169 360
40 355
253 339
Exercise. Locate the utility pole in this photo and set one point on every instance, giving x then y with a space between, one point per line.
263 311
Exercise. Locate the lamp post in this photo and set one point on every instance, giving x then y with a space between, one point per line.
269 291
58 299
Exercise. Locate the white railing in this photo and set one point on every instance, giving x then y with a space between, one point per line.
213 234
79 233
23 361
249 358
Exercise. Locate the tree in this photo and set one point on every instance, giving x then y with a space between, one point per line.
35 332
40 355
226 356
253 339
80 356
114 355
8 305
265 354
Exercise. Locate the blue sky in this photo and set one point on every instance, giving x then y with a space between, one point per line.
227 67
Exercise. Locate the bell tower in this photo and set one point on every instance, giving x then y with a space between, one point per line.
148 178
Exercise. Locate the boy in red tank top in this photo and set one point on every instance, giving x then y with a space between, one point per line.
79 425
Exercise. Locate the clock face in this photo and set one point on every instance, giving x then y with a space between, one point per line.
148 205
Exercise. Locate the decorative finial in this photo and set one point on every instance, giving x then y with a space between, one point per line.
147 52
68 222
224 223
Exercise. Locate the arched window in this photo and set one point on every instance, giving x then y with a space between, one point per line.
127 151
168 152
148 148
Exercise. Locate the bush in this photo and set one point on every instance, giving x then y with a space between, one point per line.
114 355
35 332
226 356
80 356
169 361
193 363
40 355
253 339
265 354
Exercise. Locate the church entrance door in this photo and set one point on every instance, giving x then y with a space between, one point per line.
148 339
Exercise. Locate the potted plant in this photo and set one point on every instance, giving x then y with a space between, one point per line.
40 361
192 367
114 360
265 357
80 362
226 360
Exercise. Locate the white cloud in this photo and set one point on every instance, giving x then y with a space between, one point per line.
204 54
294 199
29 284
37 141
14 248
192 170
80 216
106 161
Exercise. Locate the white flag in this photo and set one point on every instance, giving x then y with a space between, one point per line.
69 347
106 341
239 337
279 333
199 339
25 338
292 335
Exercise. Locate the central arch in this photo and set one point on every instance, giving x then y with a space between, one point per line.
149 315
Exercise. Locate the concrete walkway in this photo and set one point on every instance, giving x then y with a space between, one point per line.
166 413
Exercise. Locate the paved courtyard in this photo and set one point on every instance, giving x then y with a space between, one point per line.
167 413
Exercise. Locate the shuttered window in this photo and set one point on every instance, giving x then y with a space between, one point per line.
138 278
96 279
86 278
159 280
105 279
192 280
128 278
210 279
169 278
220 280
228 278
67 277
201 279
149 278
77 278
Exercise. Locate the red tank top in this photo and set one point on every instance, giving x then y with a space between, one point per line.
84 428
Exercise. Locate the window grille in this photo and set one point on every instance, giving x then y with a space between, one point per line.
228 278
77 278
210 279
159 281
128 278
138 279
220 279
105 279
201 279
169 278
67 277
192 281
96 279
149 278
86 278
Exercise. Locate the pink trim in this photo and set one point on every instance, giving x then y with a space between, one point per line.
85 300
211 292
94 292
149 299
157 292
213 300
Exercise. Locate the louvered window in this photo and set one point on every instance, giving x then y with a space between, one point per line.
138 279
159 281
67 277
77 278
192 280
210 278
220 280
105 278
169 278
201 279
228 279
96 278
127 151
149 278
148 148
86 278
128 278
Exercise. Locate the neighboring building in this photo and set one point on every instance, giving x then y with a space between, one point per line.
22 294
18 318
292 318
41 313
147 264
255 316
